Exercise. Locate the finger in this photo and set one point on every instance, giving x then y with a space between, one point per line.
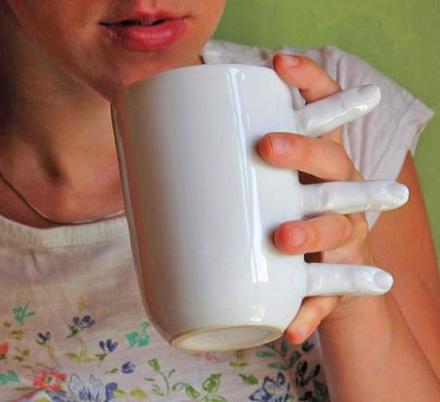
317 234
312 81
322 158
351 252
313 310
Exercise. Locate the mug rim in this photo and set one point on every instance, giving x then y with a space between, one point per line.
177 70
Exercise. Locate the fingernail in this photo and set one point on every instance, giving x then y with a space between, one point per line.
297 236
299 333
398 192
279 145
289 60
383 280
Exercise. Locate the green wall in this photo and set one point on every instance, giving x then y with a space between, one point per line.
399 37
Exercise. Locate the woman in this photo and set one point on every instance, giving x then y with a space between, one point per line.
73 328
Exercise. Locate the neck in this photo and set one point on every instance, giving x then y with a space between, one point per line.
56 140
49 118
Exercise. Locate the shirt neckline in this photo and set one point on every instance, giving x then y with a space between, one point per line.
15 234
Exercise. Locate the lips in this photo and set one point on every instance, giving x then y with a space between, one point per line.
145 31
145 22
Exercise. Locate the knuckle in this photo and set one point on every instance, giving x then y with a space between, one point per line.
317 312
313 241
305 149
317 69
322 78
344 165
360 229
343 230
348 167
310 64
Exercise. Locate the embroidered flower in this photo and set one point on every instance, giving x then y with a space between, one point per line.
11 377
4 348
128 367
79 324
273 390
21 313
86 322
48 380
94 391
43 338
77 391
108 346
139 339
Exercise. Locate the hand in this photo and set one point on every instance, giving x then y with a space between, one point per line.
337 238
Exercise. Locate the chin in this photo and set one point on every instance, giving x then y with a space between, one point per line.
117 83
125 73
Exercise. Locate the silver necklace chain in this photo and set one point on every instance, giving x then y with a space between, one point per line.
46 217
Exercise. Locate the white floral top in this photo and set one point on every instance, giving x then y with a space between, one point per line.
71 323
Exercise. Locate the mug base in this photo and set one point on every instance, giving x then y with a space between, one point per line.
225 338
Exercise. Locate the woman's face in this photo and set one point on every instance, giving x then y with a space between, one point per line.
108 44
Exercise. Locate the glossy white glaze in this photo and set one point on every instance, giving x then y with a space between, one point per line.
326 114
346 197
336 279
203 205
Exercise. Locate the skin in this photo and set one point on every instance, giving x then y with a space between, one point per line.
81 51
59 67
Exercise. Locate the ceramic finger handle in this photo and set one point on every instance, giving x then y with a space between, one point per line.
333 111
352 197
345 198
315 119
341 279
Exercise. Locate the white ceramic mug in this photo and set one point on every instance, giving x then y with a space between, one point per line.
202 205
